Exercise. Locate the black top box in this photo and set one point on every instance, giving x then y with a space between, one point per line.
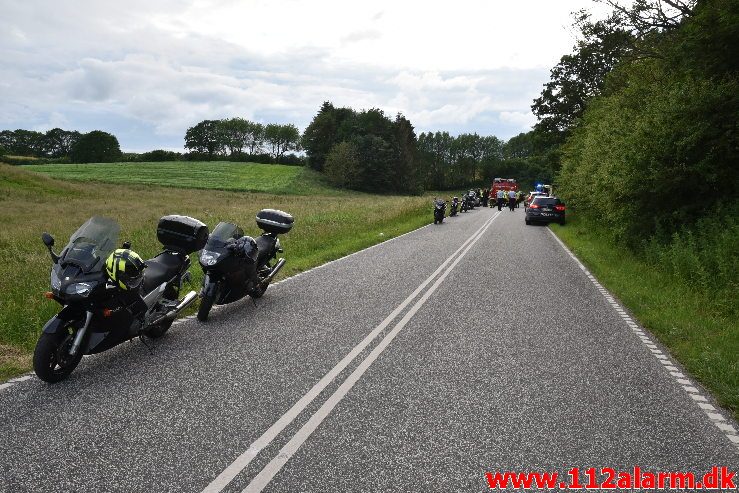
182 234
274 221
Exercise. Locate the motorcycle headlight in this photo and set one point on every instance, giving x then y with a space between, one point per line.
56 283
209 258
80 288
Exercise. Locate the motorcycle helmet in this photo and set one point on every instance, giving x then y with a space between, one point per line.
125 268
249 247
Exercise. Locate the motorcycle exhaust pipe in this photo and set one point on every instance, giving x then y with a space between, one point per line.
274 271
186 301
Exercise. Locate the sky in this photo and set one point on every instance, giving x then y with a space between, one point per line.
145 71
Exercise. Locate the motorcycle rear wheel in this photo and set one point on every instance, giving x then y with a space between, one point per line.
51 360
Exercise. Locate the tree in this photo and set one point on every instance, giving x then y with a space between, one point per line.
206 137
342 166
254 137
59 142
281 138
23 142
96 147
234 132
581 75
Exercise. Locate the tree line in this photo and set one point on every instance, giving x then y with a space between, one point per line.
95 146
240 138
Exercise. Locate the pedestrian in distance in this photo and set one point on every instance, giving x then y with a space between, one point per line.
501 199
511 200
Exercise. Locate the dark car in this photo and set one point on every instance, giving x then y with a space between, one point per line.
545 210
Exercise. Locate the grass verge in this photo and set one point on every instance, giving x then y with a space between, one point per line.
326 227
699 331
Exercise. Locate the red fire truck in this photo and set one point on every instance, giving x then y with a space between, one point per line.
505 184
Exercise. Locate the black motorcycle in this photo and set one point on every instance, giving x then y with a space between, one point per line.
471 199
236 265
97 313
454 207
439 211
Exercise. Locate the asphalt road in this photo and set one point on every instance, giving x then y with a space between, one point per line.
474 346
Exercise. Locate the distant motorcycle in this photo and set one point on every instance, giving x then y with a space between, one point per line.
454 207
471 199
110 295
439 211
236 266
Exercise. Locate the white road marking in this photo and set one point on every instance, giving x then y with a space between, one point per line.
266 475
241 462
4 386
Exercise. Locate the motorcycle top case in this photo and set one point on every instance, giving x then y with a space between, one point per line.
182 233
274 221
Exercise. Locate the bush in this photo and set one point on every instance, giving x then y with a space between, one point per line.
705 254
160 155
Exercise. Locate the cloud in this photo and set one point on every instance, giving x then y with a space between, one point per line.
150 70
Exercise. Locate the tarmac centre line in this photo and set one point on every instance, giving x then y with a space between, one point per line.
242 461
266 475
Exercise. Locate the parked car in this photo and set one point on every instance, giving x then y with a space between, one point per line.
531 196
545 209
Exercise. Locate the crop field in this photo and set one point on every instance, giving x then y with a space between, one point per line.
326 228
215 175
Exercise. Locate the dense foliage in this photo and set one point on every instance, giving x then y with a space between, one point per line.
656 150
363 150
95 147
55 143
242 139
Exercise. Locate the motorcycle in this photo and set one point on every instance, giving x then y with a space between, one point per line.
236 266
97 313
439 211
470 198
454 207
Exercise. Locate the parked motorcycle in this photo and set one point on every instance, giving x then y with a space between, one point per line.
110 295
470 199
236 266
454 207
439 211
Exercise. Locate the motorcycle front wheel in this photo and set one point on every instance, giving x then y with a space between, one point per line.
206 303
51 360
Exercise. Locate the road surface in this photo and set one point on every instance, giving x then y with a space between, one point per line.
475 346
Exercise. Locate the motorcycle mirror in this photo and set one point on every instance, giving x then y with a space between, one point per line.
127 245
47 239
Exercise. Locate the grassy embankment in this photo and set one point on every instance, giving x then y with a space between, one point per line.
328 223
697 325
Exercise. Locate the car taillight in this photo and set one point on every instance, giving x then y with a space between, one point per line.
533 206
559 208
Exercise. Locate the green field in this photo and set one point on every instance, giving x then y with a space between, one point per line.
215 175
327 226
699 331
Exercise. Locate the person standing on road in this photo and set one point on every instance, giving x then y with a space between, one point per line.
500 197
511 200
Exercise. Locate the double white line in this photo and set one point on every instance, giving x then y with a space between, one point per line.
270 470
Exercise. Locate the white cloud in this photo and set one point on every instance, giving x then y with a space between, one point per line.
151 69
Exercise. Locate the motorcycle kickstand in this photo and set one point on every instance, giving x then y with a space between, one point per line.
149 345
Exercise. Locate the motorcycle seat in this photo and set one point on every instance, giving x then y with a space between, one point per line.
266 245
161 268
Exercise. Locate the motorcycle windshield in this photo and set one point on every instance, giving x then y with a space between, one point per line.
91 244
221 234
